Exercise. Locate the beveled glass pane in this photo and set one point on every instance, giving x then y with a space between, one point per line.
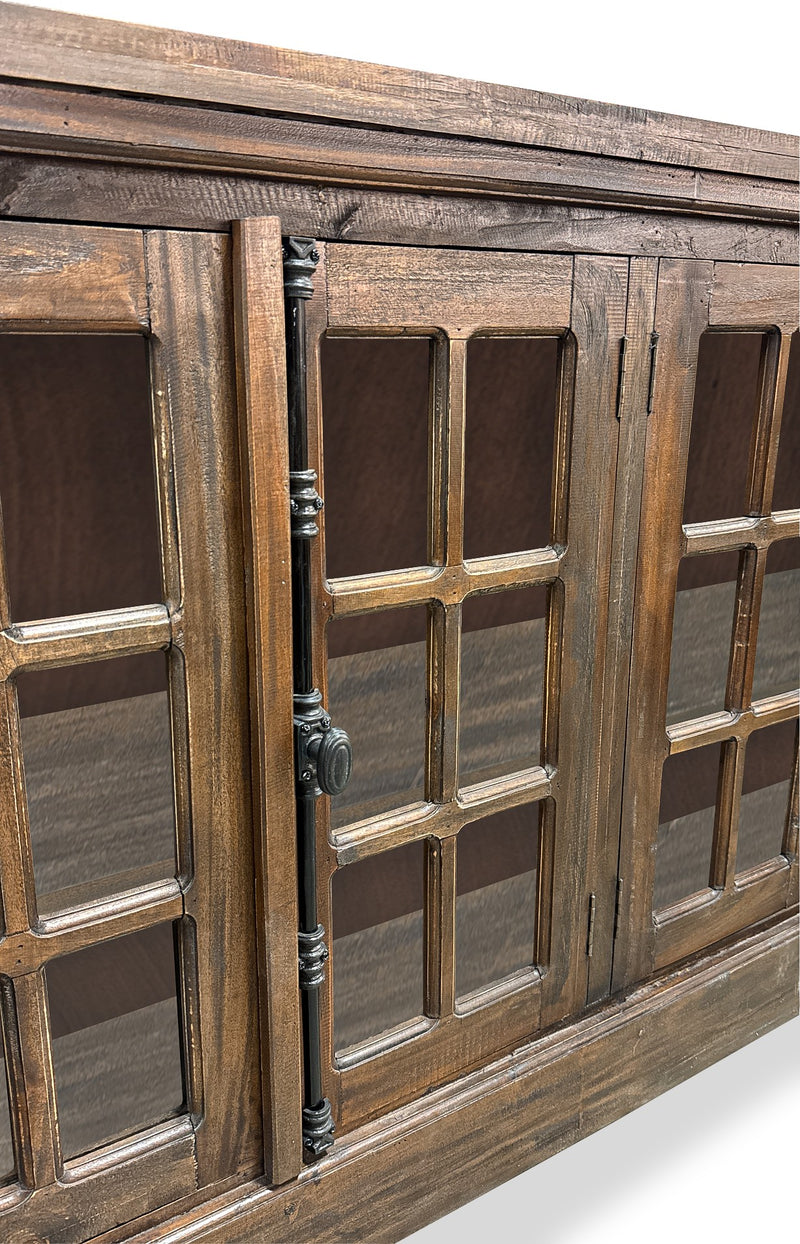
768 766
7 1163
376 692
497 865
723 416
375 440
786 494
378 946
502 682
512 384
778 646
97 756
116 1038
701 635
77 481
686 824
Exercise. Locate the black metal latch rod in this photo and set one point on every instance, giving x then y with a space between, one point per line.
323 755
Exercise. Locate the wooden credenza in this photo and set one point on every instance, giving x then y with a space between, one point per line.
459 419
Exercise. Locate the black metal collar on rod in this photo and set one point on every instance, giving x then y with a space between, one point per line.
323 754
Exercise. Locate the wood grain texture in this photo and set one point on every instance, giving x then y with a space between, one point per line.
632 415
59 47
261 370
192 317
519 1110
753 296
43 187
681 316
114 127
573 702
67 279
459 291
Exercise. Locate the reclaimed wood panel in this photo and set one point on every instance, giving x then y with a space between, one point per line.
519 1110
61 47
43 187
460 291
67 279
261 370
753 295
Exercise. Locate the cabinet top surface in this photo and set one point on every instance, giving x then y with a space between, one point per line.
45 46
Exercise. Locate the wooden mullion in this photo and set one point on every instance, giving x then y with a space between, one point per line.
418 821
726 820
453 543
717 727
790 843
62 935
730 534
745 629
85 637
440 909
773 370
447 584
444 657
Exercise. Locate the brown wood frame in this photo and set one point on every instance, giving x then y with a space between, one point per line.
691 298
109 124
451 295
174 288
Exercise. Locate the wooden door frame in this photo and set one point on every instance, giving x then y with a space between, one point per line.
693 297
172 288
587 306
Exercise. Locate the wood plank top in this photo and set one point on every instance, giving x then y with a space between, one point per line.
46 46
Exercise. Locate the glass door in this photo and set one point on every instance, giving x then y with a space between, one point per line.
710 811
462 426
127 953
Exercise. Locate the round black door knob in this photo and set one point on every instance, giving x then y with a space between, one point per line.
334 760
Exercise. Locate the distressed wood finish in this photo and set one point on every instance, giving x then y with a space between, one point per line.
692 298
46 120
455 294
70 279
145 60
261 368
188 310
533 1103
146 179
42 187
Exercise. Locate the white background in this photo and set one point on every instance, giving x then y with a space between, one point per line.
717 1157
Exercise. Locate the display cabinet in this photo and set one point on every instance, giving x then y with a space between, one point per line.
399 594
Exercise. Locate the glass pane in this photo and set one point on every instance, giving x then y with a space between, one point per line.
502 681
98 776
497 861
375 436
768 766
701 635
378 947
376 692
686 824
77 483
778 645
7 1163
116 1038
725 407
786 495
512 384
